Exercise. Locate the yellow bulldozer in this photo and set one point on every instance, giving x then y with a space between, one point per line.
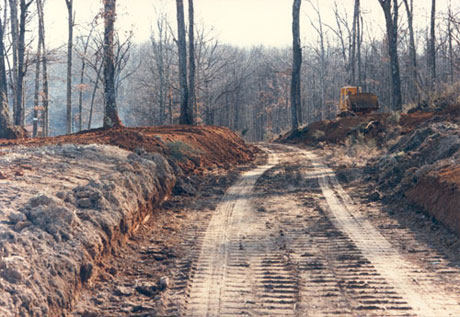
354 102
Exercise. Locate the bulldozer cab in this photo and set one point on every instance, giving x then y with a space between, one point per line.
345 92
354 101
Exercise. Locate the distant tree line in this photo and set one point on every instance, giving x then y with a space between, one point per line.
16 59
187 76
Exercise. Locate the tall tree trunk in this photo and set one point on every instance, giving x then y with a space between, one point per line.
322 72
359 39
80 95
45 95
111 119
296 65
449 38
160 48
391 22
14 44
412 50
170 102
431 46
354 43
182 46
93 95
5 121
68 120
82 80
192 66
3 80
21 69
37 85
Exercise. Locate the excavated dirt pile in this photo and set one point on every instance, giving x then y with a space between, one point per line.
418 155
67 203
424 166
338 130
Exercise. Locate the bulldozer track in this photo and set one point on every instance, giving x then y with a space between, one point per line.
287 240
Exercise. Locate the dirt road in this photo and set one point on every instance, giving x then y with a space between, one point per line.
286 239
295 244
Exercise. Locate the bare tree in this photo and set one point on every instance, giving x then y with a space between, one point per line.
69 4
161 46
390 10
450 19
20 70
97 67
37 79
45 94
111 119
5 121
322 58
355 42
296 65
192 65
84 41
186 114
14 45
431 46
409 4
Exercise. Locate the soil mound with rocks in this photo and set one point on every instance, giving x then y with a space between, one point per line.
418 154
424 166
193 149
67 203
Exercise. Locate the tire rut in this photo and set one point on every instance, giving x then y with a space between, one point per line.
286 240
419 289
238 272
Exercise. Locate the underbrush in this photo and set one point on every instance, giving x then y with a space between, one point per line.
356 151
180 151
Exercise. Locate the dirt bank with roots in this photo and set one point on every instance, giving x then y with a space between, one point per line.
65 207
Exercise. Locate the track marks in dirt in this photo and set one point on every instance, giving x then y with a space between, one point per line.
285 250
420 289
164 246
281 252
334 277
239 272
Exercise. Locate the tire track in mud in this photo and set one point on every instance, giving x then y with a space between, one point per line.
238 271
295 246
335 278
419 289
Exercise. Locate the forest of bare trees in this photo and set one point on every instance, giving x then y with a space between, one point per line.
57 90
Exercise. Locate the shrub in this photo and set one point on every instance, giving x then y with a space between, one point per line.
180 150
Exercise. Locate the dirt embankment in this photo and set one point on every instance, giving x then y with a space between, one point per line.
414 156
67 203
424 166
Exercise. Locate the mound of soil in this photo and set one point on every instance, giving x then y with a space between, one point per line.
422 159
193 149
438 192
67 203
338 130
423 166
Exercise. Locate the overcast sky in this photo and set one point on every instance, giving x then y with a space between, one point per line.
238 22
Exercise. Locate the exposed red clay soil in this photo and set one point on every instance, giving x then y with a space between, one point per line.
423 158
451 175
410 121
193 149
69 203
439 194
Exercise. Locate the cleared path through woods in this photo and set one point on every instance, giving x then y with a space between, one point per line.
287 240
